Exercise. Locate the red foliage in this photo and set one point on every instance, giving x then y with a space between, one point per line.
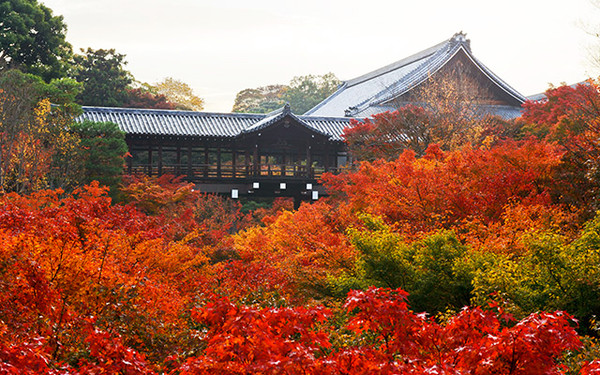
108 355
139 98
562 107
388 133
248 340
387 338
444 189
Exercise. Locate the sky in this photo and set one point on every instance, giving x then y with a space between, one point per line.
220 47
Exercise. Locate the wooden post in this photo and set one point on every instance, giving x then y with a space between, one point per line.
247 162
150 161
255 161
309 172
160 159
233 162
206 161
129 164
178 167
189 163
219 162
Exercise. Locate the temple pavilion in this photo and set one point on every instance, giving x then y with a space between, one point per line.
284 154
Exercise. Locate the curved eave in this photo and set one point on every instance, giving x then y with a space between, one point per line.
497 80
435 66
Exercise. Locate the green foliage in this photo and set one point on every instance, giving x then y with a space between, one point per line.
306 92
32 39
103 151
37 148
303 93
553 274
436 271
260 100
104 79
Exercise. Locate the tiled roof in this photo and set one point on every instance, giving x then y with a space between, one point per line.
278 115
363 96
205 124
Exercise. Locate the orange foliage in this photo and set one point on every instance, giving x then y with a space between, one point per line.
306 246
445 189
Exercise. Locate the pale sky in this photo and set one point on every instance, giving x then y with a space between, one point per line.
220 47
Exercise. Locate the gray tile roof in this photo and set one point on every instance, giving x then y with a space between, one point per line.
365 95
205 124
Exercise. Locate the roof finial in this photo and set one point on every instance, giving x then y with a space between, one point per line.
461 38
286 108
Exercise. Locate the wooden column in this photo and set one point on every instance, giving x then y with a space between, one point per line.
149 160
233 162
206 161
255 161
129 164
160 159
247 162
283 171
178 167
219 162
309 172
189 163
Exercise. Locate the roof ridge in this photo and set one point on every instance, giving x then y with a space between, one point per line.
172 111
398 64
384 94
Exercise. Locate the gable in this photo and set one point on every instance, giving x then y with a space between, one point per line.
460 79
287 128
378 91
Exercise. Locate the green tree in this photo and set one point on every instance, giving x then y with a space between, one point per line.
32 39
436 271
555 273
37 149
103 151
305 92
105 81
260 100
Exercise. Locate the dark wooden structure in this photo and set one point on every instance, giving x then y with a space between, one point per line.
282 154
275 154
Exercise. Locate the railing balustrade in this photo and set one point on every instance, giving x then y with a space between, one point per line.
227 171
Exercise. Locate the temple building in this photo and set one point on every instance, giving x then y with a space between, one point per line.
448 66
284 154
273 154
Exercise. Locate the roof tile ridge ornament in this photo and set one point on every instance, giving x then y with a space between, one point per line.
461 38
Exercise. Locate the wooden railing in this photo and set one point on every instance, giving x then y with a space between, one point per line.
213 171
